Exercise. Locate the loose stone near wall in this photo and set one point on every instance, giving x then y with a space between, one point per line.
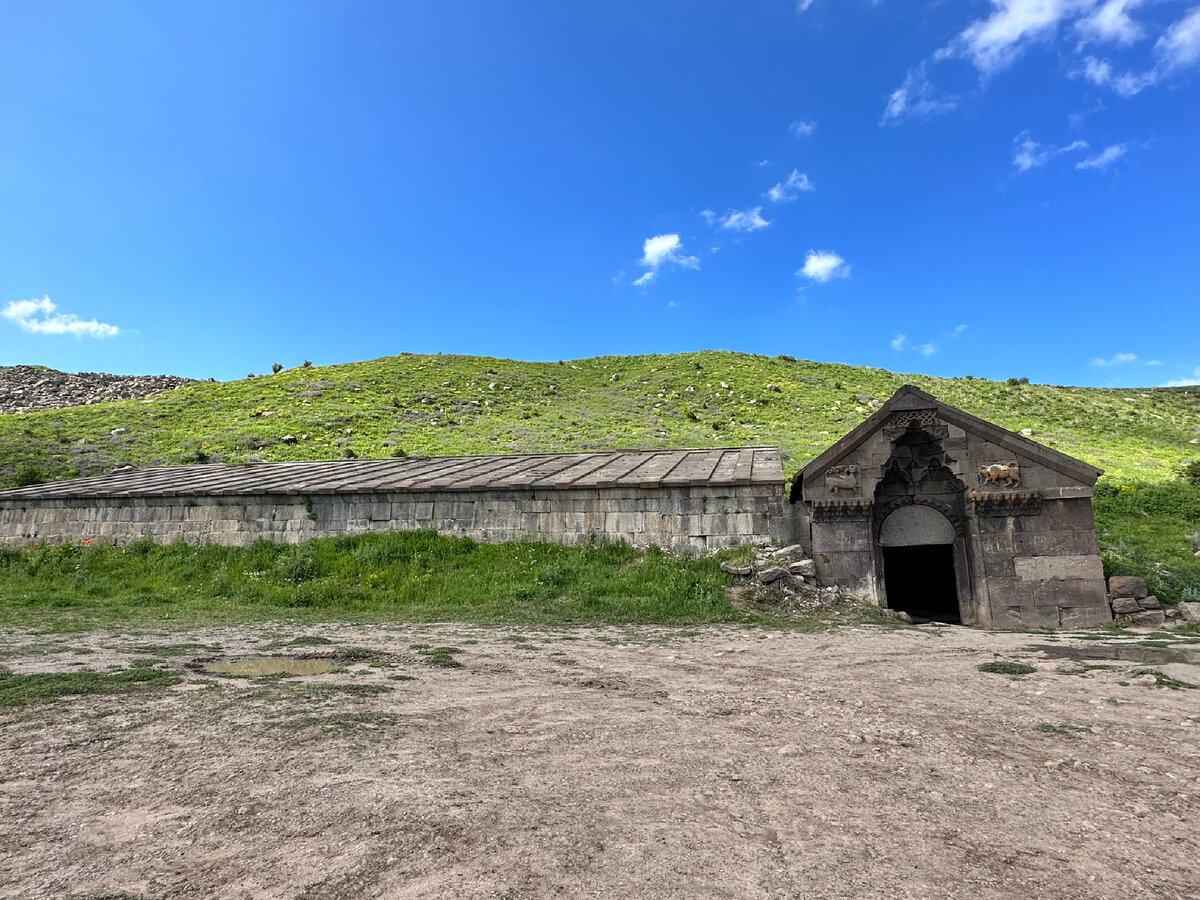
686 501
930 510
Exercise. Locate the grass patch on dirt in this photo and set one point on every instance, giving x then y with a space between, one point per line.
1005 667
339 724
1070 732
43 687
439 657
1166 680
1083 669
414 576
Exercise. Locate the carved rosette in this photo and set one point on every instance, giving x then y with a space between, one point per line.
841 510
1007 503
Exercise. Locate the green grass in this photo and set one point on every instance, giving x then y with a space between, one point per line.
1165 680
467 404
435 405
441 657
413 576
1068 731
23 690
1006 668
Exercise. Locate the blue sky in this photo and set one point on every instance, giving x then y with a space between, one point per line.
1003 188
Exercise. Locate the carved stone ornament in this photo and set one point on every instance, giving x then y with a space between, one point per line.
1007 474
925 419
841 510
1007 503
841 478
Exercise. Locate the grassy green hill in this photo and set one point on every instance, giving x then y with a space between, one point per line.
414 404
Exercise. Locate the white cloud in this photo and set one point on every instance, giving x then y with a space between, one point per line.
1117 359
663 250
992 44
916 98
744 220
898 341
42 317
803 5
927 350
995 42
1153 362
708 215
958 329
822 266
796 183
1029 154
1097 71
803 128
1104 158
1180 46
1111 22
666 248
1194 378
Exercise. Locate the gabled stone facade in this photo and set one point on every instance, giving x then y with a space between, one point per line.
930 510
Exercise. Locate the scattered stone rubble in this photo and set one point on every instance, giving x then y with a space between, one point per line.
1133 604
30 388
783 576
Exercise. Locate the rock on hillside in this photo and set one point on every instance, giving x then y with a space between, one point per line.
29 388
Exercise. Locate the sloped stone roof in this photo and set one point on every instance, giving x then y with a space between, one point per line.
537 471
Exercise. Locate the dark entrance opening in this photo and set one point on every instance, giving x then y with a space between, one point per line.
919 580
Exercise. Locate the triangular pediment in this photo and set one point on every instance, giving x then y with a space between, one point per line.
910 398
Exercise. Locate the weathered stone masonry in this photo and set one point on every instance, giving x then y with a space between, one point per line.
685 501
1012 519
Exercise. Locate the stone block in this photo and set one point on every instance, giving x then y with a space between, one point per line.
1053 543
1150 602
1124 606
1190 611
1000 566
1084 617
620 523
1047 568
1040 616
997 544
1127 586
772 574
1150 617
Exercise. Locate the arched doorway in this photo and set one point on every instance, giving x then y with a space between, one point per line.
917 543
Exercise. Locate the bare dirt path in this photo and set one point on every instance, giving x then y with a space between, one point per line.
720 763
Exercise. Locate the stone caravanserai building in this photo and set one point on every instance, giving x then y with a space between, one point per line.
928 509
922 508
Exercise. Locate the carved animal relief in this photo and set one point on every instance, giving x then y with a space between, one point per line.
841 478
996 474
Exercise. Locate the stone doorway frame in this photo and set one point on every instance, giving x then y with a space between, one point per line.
963 579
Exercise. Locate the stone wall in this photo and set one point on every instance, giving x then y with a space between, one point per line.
1043 570
682 519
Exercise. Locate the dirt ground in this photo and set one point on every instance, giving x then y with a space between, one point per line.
860 762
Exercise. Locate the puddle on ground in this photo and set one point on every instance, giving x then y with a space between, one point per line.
257 666
1122 652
